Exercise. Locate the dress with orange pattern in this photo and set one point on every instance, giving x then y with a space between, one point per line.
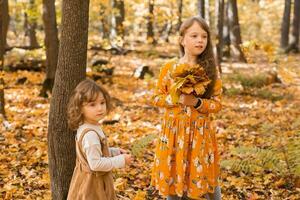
186 158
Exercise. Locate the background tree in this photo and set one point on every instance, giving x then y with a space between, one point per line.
179 5
5 17
219 10
71 70
285 25
201 8
117 18
104 19
51 44
293 46
235 33
30 24
2 50
150 19
226 33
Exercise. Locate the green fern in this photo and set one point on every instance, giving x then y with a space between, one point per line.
284 161
139 146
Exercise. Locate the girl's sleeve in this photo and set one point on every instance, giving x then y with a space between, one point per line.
212 105
162 97
96 161
114 151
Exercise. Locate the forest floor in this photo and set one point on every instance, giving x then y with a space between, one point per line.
259 119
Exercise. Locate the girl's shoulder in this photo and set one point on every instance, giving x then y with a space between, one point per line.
88 129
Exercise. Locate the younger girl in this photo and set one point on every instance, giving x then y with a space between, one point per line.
186 163
92 178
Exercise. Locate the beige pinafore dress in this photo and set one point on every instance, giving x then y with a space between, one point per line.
87 184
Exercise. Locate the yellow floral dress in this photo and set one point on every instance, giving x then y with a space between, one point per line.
186 158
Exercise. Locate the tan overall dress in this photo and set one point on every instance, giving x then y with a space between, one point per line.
87 184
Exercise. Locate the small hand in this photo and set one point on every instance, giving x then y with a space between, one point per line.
188 100
128 159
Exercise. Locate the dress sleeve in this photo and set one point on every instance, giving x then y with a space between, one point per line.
212 105
162 97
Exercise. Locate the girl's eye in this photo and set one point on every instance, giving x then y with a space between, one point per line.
92 104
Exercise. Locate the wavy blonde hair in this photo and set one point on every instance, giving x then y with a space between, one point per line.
86 91
206 58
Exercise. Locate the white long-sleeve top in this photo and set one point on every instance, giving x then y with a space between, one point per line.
92 148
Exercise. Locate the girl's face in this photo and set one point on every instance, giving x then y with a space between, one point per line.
95 110
194 40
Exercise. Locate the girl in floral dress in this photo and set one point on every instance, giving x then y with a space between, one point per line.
186 164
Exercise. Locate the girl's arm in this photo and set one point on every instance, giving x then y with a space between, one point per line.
114 151
96 161
162 97
212 105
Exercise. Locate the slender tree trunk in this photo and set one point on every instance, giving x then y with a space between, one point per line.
285 25
207 15
201 8
5 21
51 43
2 49
104 18
71 70
118 17
219 9
235 34
179 4
226 33
150 32
32 24
293 46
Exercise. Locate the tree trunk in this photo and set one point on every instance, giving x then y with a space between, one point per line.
235 34
104 18
71 70
118 17
285 25
179 4
219 9
226 34
150 32
293 46
51 43
2 49
201 8
31 25
207 15
5 21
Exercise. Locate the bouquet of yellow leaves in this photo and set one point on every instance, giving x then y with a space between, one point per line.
188 79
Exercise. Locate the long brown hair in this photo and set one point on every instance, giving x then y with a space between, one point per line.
206 58
86 91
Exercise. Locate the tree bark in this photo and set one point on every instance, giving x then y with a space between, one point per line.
235 34
150 32
5 21
219 6
2 50
51 43
71 69
105 21
201 8
285 25
207 14
118 17
226 34
293 46
180 5
30 25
